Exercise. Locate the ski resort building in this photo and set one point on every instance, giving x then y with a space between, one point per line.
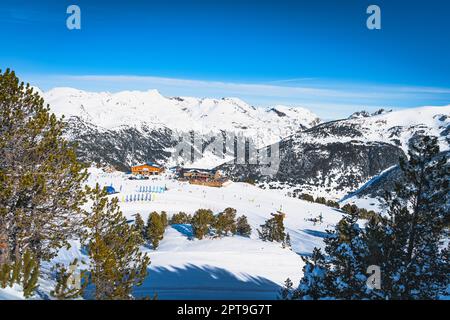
147 169
211 178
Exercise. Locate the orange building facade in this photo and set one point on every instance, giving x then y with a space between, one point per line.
147 169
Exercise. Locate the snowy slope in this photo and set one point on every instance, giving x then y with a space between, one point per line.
230 267
226 268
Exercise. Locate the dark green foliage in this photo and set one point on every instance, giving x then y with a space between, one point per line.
225 222
287 241
202 221
116 263
307 197
287 290
24 272
415 227
342 273
180 218
30 274
332 204
68 284
41 196
369 214
361 212
316 281
350 208
155 229
321 200
139 226
273 229
164 219
250 181
36 164
242 227
405 244
5 271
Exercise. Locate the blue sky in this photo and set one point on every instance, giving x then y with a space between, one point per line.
318 54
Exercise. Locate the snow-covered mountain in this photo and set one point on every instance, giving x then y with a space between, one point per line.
330 159
139 126
139 109
337 157
395 127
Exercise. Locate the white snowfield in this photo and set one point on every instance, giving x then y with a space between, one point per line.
227 268
232 267
181 114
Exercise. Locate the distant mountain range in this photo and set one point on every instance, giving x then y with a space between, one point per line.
130 127
149 109
336 157
331 158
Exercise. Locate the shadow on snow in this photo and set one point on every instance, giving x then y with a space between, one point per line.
207 282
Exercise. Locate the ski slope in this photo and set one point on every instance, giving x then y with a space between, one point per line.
227 268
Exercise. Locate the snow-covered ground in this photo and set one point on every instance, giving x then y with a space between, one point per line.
257 204
227 268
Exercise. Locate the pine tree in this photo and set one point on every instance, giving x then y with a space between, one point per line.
333 204
341 274
155 229
242 227
24 272
180 218
288 240
4 247
30 274
225 222
316 282
287 290
273 229
307 197
139 225
350 208
406 243
201 222
321 200
416 267
40 178
164 219
348 254
116 262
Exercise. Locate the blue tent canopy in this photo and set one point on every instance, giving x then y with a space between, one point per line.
110 190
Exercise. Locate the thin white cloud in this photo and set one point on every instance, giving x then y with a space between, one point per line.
242 88
327 99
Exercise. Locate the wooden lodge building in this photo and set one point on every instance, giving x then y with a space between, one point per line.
147 169
211 178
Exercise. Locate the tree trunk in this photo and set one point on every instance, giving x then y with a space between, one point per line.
4 248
